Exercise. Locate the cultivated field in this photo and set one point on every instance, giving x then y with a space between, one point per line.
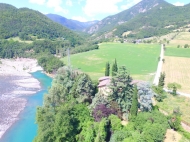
140 59
177 70
172 102
181 39
177 52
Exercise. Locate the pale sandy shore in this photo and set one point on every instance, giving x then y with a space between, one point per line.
15 81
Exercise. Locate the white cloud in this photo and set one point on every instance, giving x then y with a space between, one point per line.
79 18
94 7
79 1
56 4
130 4
69 3
39 2
179 4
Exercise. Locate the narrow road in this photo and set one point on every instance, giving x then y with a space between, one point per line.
179 93
159 68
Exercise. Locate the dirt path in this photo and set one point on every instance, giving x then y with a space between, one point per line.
172 136
159 68
185 126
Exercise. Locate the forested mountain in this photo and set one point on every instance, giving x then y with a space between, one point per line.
69 23
155 22
27 23
109 22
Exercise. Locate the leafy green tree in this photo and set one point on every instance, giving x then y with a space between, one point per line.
134 106
85 89
50 64
107 69
114 68
122 90
119 136
186 46
160 93
174 86
115 123
88 133
63 124
101 131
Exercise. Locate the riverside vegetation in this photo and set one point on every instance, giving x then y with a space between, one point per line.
74 110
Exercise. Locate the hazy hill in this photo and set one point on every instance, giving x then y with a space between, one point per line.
69 23
155 22
111 21
27 23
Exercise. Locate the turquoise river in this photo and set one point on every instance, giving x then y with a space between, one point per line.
25 129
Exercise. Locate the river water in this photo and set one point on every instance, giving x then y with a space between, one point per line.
25 129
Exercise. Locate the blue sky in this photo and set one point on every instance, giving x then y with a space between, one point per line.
82 10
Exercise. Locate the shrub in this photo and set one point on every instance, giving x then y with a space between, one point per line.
145 95
160 93
174 86
101 111
186 46
175 119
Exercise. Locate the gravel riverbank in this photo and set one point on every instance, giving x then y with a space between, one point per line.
15 82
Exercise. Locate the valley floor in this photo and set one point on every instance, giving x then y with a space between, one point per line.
15 82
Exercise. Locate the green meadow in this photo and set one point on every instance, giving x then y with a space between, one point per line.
140 59
177 52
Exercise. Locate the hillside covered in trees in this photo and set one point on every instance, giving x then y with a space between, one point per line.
146 19
38 37
156 22
27 24
108 23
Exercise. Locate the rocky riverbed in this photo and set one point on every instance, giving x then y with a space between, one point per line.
15 82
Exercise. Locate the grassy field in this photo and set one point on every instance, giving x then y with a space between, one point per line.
172 102
19 40
177 69
178 52
140 59
181 39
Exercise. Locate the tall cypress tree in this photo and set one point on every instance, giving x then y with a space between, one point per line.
107 70
114 68
134 106
162 80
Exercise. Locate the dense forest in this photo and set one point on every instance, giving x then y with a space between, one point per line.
42 50
75 111
27 23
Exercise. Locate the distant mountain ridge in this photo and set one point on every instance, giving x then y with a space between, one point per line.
69 23
156 22
111 21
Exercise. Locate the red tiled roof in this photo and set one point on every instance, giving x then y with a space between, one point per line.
104 83
104 78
